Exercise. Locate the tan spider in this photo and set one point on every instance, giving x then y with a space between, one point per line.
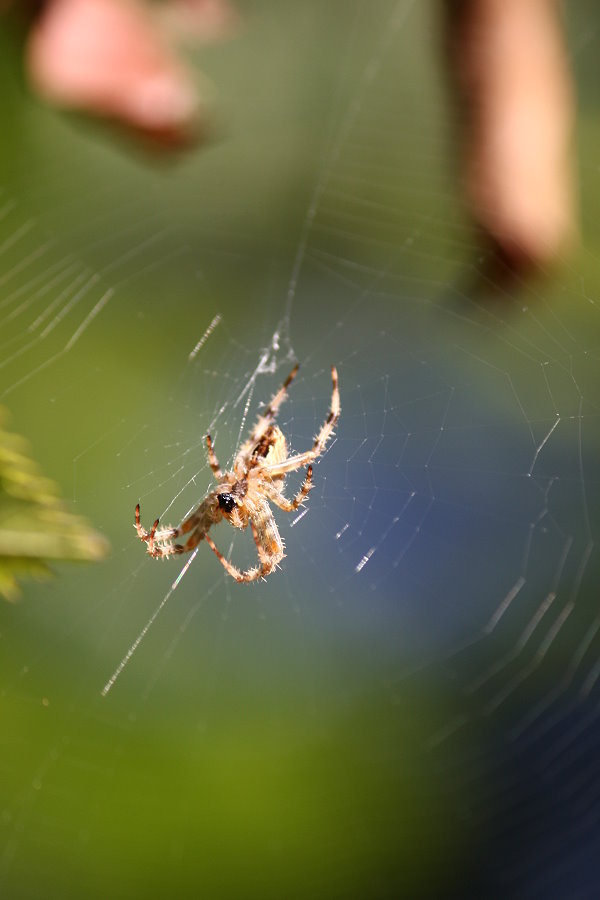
242 496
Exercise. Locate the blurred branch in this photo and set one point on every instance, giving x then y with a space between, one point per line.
35 524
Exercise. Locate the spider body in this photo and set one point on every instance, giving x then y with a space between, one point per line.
242 496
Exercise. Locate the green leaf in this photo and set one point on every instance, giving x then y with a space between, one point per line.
35 524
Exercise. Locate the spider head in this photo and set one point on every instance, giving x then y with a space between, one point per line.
226 501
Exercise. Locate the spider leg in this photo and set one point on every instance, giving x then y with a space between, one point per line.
268 544
273 407
267 538
166 548
158 541
212 459
270 412
295 462
271 492
142 533
249 575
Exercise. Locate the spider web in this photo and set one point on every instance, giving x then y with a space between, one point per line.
411 705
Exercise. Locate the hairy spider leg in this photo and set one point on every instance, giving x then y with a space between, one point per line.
154 537
301 459
147 536
265 568
193 523
277 497
269 546
167 549
249 575
272 409
212 459
266 535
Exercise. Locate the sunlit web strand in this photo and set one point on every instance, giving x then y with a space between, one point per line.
216 320
399 15
147 627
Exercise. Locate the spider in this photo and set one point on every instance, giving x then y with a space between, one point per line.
242 496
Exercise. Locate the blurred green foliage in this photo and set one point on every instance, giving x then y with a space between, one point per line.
35 524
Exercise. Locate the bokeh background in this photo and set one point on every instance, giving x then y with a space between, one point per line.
410 706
